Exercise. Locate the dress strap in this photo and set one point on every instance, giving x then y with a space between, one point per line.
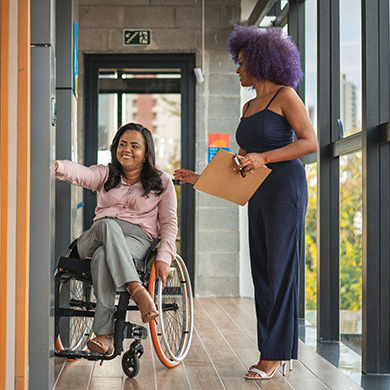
247 106
274 97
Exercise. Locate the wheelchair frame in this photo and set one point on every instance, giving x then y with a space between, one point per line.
73 268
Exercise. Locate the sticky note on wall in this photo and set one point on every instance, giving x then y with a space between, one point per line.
218 141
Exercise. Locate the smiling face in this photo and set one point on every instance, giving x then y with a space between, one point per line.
245 79
131 150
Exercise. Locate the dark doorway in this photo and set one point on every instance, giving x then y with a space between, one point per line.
157 91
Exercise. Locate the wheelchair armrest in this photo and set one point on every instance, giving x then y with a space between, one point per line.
152 248
141 265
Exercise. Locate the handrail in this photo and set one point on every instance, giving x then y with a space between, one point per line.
383 133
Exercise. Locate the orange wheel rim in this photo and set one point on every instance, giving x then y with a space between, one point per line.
152 324
58 344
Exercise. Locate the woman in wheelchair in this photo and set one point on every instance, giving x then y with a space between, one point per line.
136 203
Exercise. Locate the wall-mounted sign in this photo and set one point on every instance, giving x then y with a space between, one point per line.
218 141
137 37
75 58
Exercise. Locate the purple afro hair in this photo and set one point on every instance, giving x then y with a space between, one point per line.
268 54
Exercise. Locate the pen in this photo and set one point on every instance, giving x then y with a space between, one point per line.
235 158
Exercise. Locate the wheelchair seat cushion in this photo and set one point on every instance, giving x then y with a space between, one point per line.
76 266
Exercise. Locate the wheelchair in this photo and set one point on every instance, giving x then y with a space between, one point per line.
75 306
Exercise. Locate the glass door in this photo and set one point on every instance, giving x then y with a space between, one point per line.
150 97
351 176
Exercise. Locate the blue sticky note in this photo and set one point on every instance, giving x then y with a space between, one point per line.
212 150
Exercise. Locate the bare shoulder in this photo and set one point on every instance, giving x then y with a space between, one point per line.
289 98
288 94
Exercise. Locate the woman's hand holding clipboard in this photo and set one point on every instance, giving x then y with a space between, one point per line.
219 179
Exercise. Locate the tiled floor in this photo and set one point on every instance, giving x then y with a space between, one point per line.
342 357
223 346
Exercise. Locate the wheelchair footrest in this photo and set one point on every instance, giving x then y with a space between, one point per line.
134 331
80 355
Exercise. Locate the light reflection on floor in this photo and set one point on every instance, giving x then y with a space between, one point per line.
342 357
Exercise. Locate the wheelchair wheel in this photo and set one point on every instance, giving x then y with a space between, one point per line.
75 332
130 364
172 335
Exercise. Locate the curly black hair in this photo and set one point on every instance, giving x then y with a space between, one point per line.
150 175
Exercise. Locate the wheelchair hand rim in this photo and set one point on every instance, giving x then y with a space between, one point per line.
187 341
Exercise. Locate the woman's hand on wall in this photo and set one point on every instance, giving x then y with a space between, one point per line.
162 271
185 176
56 165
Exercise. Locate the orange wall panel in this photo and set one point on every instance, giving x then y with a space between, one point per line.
23 197
4 41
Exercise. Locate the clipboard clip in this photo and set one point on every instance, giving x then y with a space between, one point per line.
235 158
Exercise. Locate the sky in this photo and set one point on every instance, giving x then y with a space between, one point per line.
350 47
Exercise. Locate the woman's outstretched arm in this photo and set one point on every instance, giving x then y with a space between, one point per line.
91 178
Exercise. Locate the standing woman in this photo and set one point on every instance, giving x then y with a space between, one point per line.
136 203
268 61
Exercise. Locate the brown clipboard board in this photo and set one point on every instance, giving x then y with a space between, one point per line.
219 179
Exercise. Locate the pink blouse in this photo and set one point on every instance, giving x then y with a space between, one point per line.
156 214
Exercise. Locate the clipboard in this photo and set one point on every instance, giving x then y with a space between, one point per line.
219 179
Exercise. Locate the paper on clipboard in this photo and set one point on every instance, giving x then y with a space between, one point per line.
219 179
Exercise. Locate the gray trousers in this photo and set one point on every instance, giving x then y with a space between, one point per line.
112 244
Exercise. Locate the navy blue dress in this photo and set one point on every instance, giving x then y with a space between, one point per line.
276 226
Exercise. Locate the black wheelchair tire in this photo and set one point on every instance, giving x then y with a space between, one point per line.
130 364
82 332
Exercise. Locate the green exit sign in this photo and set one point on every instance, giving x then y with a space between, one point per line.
136 37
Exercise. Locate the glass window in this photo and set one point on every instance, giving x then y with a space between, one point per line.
107 125
311 245
161 114
311 61
311 169
350 66
351 250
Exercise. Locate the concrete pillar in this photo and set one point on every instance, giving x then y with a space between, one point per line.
41 321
